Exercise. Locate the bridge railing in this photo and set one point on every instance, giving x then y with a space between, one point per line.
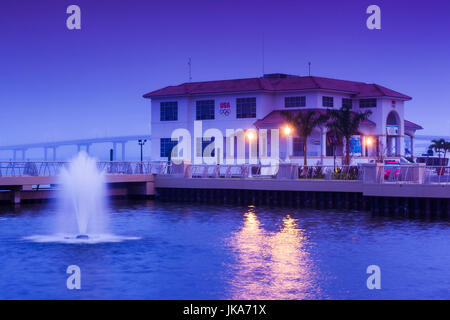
28 168
132 167
51 168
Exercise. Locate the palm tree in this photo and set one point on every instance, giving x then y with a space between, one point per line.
304 122
345 123
438 145
446 148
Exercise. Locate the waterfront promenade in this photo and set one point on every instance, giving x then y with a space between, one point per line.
25 181
409 188
412 190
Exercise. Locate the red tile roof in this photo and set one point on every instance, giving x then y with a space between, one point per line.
358 89
412 126
275 119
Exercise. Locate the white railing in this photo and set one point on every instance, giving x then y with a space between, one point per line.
413 173
347 173
219 171
50 168
374 173
437 174
28 168
379 173
289 171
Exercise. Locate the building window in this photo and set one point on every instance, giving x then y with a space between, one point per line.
166 146
205 109
347 103
297 145
202 143
169 111
328 102
368 103
246 108
294 102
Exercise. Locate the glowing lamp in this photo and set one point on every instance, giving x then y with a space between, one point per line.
287 130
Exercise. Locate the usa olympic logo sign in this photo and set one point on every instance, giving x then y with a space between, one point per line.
225 109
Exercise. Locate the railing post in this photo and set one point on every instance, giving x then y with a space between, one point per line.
372 172
287 171
418 173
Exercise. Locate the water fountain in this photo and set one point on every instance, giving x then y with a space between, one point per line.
82 210
81 215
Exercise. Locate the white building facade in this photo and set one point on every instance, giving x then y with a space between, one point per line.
256 104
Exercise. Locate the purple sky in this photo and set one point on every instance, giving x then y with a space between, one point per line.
61 84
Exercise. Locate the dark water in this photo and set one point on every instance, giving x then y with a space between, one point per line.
224 252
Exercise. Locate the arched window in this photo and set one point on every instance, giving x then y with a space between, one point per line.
393 134
393 119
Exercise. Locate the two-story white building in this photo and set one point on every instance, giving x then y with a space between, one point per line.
256 103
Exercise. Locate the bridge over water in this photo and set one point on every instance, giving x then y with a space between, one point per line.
79 143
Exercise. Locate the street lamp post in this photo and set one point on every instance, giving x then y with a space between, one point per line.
287 132
332 142
368 144
141 143
250 136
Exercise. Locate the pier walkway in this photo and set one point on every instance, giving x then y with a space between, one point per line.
406 190
414 187
39 180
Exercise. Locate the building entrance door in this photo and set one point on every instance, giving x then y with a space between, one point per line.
393 134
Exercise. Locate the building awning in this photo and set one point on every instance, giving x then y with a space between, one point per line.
412 126
275 120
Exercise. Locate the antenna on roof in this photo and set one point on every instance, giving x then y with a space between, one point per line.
309 68
263 71
190 69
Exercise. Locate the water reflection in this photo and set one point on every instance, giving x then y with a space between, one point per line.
272 265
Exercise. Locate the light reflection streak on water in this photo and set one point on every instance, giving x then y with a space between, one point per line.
272 265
